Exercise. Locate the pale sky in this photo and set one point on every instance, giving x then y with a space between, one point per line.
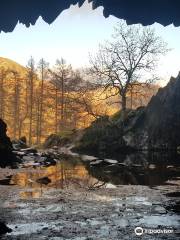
73 35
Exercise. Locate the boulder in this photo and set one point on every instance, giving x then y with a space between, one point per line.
54 140
44 180
19 144
4 229
7 158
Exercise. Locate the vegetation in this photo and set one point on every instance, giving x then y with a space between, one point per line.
37 101
121 64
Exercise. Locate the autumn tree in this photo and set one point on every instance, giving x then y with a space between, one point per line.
42 70
133 51
16 103
64 80
31 78
3 75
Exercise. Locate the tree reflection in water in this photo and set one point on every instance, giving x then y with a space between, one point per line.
150 169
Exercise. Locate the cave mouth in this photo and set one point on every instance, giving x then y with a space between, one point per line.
157 171
92 30
77 14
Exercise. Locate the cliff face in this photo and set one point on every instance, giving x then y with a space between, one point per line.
163 116
155 127
160 127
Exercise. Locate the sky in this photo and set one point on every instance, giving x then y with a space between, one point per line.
76 33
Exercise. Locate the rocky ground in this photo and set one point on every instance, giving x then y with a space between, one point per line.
110 212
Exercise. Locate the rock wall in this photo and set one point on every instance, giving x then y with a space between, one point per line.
160 124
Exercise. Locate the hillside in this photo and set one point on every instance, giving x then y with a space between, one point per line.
6 64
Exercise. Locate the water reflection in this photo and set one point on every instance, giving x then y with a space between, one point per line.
65 174
31 194
137 169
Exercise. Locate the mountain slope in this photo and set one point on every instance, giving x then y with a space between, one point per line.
6 64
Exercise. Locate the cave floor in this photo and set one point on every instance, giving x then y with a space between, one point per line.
75 212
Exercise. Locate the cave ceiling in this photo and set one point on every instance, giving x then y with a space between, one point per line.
145 12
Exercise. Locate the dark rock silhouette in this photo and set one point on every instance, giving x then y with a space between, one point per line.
44 180
139 11
141 168
56 140
158 127
7 158
4 229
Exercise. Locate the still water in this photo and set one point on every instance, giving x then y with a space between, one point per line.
152 169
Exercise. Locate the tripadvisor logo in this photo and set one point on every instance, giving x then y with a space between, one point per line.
138 231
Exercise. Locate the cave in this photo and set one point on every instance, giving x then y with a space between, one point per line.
56 217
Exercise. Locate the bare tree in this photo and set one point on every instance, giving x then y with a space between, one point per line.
133 51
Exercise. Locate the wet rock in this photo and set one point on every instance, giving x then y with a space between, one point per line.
174 207
160 210
94 222
122 222
96 162
55 147
112 161
173 194
6 181
152 166
122 164
88 158
19 153
19 144
178 149
44 180
28 158
29 150
4 229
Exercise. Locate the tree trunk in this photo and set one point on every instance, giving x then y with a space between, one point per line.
62 103
123 105
37 119
41 103
2 94
131 98
31 108
16 105
56 110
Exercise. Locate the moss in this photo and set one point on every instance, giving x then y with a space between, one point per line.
118 116
60 139
65 133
